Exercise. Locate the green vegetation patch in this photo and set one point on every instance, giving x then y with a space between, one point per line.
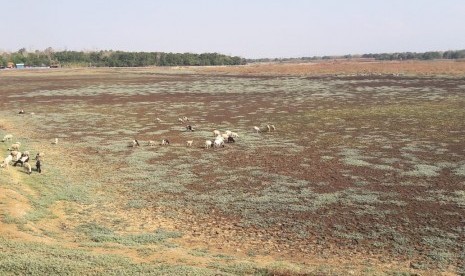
101 234
21 258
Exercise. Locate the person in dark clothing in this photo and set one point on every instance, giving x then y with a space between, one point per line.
39 170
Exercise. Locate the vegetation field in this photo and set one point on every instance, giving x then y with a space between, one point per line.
364 174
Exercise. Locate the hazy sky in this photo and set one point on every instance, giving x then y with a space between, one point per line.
247 28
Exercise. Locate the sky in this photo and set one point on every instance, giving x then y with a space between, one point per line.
245 28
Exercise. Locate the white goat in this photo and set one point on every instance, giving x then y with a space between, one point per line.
7 137
165 142
208 144
134 143
7 161
15 146
219 143
189 143
151 143
257 129
17 155
27 167
228 132
216 132
55 142
234 134
224 136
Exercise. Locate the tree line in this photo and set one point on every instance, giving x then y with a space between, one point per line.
458 54
452 54
109 58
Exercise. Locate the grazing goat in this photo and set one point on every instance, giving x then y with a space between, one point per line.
134 143
234 134
216 132
189 128
15 146
189 143
257 129
22 159
219 143
151 143
208 144
183 119
6 161
165 142
231 139
7 137
55 142
17 155
27 168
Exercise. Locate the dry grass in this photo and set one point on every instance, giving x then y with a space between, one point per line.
344 67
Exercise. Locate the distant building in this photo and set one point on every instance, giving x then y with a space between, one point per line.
20 65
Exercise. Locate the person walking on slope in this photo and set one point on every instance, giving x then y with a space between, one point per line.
38 164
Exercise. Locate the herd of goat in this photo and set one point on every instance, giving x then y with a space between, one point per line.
22 159
219 141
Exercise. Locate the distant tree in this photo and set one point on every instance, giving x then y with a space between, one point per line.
3 60
431 55
22 51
